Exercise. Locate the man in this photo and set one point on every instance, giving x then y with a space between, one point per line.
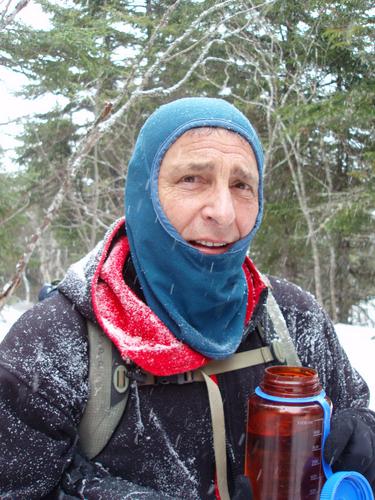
172 288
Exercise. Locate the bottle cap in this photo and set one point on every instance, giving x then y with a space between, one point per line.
347 485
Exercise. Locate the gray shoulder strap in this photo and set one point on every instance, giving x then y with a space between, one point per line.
283 346
108 393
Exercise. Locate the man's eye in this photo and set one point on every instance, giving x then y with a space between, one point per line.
242 185
189 178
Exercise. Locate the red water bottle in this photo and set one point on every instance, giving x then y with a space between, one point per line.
285 435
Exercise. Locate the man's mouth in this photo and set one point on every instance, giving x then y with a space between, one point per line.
210 246
210 243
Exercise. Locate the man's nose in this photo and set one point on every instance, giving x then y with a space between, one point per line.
219 206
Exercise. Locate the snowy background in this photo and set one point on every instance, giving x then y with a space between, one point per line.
358 342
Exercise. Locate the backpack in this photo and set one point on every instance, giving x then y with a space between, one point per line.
109 386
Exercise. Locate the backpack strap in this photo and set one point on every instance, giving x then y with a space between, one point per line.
218 435
108 393
235 362
283 345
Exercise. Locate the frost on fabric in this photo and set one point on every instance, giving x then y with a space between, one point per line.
139 424
175 440
134 342
77 283
186 467
51 354
176 461
36 424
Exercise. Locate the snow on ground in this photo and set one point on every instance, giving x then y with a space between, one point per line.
359 345
358 342
10 314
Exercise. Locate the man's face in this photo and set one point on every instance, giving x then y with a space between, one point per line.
208 188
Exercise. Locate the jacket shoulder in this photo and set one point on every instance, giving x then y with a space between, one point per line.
46 349
290 296
308 323
317 344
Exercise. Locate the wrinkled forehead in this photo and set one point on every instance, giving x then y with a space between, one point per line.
196 141
197 136
215 131
194 116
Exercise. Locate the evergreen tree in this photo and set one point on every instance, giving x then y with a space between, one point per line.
303 75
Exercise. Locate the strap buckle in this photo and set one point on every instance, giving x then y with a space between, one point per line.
179 379
137 375
185 378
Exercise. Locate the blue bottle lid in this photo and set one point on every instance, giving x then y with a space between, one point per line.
346 485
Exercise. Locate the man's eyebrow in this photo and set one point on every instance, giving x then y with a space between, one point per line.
194 166
245 174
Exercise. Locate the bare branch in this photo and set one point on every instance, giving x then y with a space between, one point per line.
14 214
8 18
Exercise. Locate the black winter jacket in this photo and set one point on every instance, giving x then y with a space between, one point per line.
162 447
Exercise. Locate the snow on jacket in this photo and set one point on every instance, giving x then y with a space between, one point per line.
162 447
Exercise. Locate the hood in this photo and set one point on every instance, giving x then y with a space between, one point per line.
201 298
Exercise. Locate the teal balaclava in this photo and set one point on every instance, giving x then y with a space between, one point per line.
201 298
